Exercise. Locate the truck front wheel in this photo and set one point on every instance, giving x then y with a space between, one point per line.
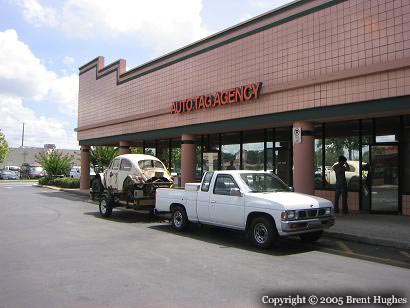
105 206
262 232
179 219
311 237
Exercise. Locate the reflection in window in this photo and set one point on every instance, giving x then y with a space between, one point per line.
342 138
176 156
163 152
210 155
230 151
253 150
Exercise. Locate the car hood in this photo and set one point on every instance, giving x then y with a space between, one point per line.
290 200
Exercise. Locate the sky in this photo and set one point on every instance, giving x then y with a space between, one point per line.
44 42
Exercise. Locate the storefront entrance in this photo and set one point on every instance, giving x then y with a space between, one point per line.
383 179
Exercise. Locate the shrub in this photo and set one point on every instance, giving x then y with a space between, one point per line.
101 156
54 163
60 182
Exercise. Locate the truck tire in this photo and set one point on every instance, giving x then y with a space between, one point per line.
105 206
179 218
263 233
311 237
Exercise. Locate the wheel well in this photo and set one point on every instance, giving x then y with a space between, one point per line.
174 205
254 215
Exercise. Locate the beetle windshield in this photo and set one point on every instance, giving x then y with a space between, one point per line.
263 182
149 164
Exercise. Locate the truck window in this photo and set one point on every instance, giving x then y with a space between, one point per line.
223 185
125 165
206 181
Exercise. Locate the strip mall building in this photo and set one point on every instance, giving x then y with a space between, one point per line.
288 91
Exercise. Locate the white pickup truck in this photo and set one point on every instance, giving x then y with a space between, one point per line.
257 202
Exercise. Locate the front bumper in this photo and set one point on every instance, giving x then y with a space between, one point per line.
295 226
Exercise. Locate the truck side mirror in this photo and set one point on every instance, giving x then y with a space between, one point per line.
236 192
292 188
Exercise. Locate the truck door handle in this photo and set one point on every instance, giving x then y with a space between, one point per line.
213 201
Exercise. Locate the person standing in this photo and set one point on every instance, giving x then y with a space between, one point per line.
341 184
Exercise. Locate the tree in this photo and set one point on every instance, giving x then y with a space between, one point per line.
4 147
55 163
101 156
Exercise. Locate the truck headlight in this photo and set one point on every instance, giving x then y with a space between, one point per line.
288 215
328 211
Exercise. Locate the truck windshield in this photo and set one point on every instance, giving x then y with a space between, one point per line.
263 182
149 163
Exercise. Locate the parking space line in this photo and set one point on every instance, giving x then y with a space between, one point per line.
344 247
406 254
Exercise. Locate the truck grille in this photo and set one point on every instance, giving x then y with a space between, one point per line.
302 214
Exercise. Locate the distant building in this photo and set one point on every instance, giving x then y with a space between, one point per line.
18 156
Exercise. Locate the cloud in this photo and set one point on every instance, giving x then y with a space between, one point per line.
68 60
39 130
162 25
23 75
37 14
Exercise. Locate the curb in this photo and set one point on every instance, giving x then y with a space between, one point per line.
367 240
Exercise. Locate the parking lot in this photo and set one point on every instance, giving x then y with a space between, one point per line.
55 251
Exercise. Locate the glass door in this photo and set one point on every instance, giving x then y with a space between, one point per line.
383 178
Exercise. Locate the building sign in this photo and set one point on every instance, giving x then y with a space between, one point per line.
240 94
297 135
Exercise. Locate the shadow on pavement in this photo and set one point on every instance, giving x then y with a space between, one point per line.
227 238
127 216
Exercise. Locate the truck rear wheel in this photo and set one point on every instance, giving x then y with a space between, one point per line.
179 218
263 233
311 237
105 206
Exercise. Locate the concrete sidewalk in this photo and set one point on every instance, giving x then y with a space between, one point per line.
382 230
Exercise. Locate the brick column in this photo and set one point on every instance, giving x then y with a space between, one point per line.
124 148
188 157
303 159
85 167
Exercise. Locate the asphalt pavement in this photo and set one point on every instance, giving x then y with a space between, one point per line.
56 251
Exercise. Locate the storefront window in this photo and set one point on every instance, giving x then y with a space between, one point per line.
176 157
230 151
342 138
283 154
406 157
150 149
318 158
253 150
163 152
387 129
210 154
269 150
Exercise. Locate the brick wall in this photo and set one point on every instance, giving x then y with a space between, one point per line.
352 199
354 51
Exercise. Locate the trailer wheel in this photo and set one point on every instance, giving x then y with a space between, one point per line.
179 219
96 188
105 206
